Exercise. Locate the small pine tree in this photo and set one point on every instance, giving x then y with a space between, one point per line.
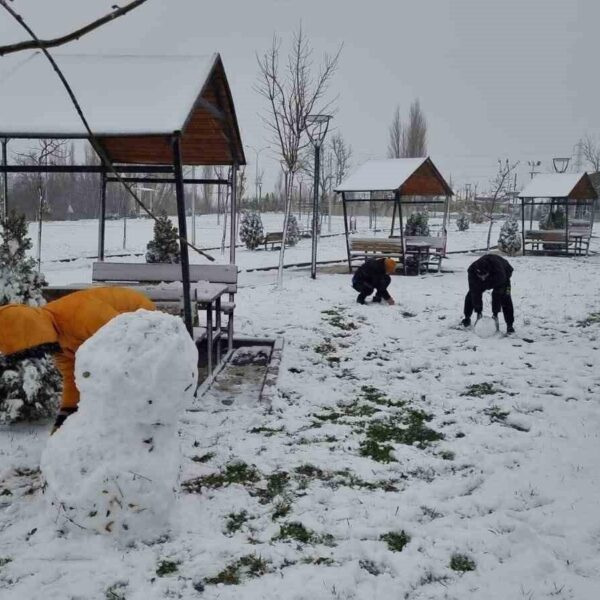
553 219
293 231
509 240
30 388
251 230
417 224
164 248
463 221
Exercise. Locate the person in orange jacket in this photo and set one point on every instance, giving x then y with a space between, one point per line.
61 327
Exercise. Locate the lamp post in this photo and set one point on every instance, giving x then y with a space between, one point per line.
561 164
316 127
257 178
533 164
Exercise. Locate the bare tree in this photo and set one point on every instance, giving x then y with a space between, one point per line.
292 95
396 137
75 35
415 132
342 154
590 149
48 151
498 187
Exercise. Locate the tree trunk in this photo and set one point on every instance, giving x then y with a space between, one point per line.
289 181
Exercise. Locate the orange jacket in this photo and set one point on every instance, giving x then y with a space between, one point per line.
69 321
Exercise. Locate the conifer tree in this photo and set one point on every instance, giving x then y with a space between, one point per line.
251 230
463 221
29 388
417 224
510 240
293 231
164 248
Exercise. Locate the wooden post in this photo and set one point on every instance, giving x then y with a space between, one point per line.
102 218
401 231
523 223
346 231
567 226
393 219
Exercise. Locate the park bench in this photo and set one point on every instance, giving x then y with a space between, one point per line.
363 248
149 275
555 239
273 238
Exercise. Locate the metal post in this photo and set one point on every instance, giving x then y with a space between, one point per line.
4 211
401 232
233 224
185 261
346 231
313 260
523 223
102 218
393 219
194 190
566 226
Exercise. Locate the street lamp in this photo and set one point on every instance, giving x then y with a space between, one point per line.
561 164
316 127
257 178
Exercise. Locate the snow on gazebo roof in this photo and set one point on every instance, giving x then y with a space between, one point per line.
124 96
416 176
560 185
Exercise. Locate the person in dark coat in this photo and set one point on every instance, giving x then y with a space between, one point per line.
490 272
374 276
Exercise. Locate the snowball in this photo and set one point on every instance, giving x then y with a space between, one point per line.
485 327
113 466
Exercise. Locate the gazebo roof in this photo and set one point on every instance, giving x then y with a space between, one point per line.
574 186
133 104
409 176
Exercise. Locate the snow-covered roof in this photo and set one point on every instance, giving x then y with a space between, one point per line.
381 175
118 94
552 185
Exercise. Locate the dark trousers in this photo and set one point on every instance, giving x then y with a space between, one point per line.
501 299
366 289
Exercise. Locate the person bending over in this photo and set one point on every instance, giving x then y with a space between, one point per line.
60 327
490 272
374 276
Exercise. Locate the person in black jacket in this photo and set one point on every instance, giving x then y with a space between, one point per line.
490 272
374 275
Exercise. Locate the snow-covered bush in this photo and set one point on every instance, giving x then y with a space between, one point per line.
29 388
417 224
477 216
164 248
251 230
463 221
293 231
553 219
509 240
113 466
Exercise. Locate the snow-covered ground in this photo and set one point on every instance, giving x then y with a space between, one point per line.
400 451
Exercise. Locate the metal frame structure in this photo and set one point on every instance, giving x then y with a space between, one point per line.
212 114
407 189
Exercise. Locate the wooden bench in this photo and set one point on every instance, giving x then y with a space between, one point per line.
362 248
273 238
555 239
112 273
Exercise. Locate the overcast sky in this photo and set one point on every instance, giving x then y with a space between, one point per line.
515 79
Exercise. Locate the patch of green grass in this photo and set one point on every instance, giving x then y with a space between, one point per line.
372 394
591 319
447 455
235 521
235 472
167 567
282 508
461 562
116 591
310 471
267 431
5 560
496 414
318 560
294 530
376 451
249 566
204 458
325 348
409 429
336 319
395 540
6 492
479 390
277 483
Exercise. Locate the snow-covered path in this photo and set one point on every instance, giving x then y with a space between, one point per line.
399 450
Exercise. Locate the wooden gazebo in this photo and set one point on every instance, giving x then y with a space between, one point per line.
567 224
401 181
151 115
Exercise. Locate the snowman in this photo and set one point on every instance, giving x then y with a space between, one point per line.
113 466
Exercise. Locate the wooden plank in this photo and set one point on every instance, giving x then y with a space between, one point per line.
159 272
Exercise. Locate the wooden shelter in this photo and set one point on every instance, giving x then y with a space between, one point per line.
151 115
566 225
402 182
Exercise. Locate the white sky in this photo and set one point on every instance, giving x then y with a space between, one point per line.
514 79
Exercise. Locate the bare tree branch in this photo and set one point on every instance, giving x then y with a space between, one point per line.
75 35
590 149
